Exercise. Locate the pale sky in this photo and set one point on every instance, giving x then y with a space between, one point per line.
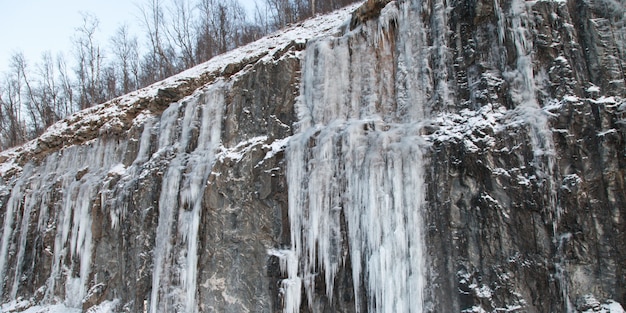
36 26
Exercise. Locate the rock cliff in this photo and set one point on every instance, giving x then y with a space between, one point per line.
415 156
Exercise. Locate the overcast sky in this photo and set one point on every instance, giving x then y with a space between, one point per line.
36 26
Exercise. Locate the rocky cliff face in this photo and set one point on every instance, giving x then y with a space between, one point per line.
419 156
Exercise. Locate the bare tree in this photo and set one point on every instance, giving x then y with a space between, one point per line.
109 82
125 59
31 98
49 91
40 93
206 39
261 18
219 26
284 12
157 64
89 63
13 126
182 33
4 123
30 104
67 90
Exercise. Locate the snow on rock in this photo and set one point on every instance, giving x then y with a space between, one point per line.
589 304
28 306
237 153
474 128
276 147
118 169
24 306
108 306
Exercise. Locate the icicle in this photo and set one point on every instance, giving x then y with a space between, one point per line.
13 205
144 143
76 173
291 287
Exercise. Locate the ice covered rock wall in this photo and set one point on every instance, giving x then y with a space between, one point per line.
424 156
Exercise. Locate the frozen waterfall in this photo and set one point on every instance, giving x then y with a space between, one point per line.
92 177
75 177
355 177
422 156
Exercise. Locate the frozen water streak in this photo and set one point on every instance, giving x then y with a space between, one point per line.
524 90
181 193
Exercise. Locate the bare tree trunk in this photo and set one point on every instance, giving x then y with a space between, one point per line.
66 87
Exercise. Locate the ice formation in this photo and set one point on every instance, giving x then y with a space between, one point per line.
355 176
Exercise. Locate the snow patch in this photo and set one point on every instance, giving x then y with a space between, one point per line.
589 304
109 306
570 182
593 88
483 292
117 170
606 100
607 132
237 152
275 147
474 309
613 307
473 128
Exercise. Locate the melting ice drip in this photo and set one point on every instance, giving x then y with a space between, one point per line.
524 88
181 193
355 179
